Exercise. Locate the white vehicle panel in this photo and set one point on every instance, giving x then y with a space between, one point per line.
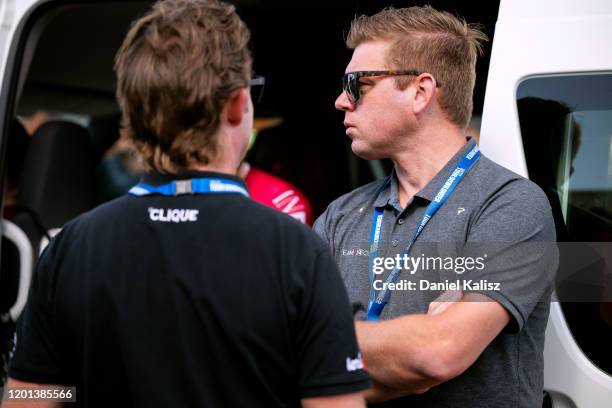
543 38
11 13
529 47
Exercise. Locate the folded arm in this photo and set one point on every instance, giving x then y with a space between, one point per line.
413 353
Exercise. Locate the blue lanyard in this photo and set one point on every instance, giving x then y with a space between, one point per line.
191 186
376 303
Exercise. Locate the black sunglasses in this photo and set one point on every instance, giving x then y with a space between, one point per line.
350 80
257 87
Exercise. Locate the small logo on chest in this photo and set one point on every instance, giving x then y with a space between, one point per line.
354 252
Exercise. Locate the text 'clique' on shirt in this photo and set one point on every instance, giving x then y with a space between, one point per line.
173 215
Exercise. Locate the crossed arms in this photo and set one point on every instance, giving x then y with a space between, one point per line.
410 354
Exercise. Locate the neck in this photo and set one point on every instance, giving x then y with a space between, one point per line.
418 163
217 166
228 158
226 168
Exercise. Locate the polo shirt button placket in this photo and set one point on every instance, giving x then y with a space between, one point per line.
400 221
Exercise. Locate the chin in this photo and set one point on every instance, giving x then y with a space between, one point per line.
364 152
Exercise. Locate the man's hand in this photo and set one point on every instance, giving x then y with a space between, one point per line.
380 392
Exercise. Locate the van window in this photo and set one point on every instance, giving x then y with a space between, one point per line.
566 127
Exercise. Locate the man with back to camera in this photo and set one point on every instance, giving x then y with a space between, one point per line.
407 96
185 292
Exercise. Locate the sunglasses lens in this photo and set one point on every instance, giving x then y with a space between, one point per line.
257 88
351 87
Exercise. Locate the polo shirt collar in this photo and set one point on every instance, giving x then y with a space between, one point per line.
386 191
156 178
431 189
389 195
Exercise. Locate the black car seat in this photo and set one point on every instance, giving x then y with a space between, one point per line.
57 182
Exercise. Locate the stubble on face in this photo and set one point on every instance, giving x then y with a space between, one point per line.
377 125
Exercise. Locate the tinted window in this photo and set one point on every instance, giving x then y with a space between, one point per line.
566 127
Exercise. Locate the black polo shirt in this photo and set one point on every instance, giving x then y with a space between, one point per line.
193 300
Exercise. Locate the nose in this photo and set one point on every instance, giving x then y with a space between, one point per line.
342 102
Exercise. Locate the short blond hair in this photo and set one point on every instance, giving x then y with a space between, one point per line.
428 40
178 66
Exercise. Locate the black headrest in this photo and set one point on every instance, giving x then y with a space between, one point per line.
17 147
58 181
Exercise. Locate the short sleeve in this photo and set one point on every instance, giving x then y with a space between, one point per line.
329 358
36 356
320 227
515 235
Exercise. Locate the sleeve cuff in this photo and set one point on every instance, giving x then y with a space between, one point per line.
335 389
516 323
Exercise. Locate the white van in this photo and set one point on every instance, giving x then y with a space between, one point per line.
547 115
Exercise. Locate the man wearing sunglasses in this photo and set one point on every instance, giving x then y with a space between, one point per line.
407 96
185 292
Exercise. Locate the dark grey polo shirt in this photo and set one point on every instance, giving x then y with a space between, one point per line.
493 214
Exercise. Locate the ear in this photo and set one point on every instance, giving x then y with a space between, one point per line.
237 106
425 92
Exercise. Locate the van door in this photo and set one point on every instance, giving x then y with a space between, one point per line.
548 115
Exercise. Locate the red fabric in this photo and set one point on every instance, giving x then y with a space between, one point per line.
279 194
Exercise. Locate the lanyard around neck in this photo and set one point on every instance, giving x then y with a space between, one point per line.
191 186
376 303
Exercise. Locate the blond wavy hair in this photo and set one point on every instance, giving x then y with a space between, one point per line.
428 40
